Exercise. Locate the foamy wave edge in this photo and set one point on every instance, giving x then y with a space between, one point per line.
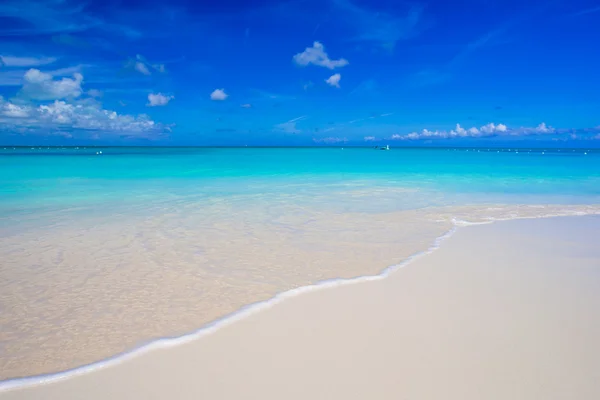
250 309
490 220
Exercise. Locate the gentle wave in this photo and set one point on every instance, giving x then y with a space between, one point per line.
489 220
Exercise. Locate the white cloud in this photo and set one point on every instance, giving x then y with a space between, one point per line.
12 110
492 128
71 117
541 128
12 61
94 118
316 55
487 130
60 115
427 134
218 94
370 138
290 126
158 99
334 80
39 85
460 130
247 105
141 68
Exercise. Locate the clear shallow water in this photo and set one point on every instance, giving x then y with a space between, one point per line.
102 252
55 178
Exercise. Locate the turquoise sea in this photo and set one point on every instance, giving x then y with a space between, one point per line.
100 179
105 249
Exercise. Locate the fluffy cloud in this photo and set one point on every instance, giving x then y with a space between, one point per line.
487 130
334 80
370 138
540 129
59 117
38 85
158 99
544 129
316 55
12 110
490 128
218 94
11 61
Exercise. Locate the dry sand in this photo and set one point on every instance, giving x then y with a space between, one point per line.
509 310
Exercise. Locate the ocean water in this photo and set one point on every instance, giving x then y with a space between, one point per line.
103 249
45 179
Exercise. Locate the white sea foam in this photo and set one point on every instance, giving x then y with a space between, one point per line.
488 220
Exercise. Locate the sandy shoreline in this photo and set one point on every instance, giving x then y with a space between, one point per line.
96 285
507 310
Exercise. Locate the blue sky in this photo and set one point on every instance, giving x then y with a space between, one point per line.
299 72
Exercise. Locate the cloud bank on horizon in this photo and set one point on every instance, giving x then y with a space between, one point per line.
185 72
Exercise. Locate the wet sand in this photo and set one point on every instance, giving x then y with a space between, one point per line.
504 310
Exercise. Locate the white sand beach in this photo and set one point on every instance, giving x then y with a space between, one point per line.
509 310
91 286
